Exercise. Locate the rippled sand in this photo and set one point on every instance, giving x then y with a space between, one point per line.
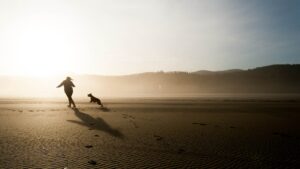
150 133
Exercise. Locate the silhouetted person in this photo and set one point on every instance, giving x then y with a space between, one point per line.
68 86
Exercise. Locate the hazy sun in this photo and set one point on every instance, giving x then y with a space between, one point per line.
40 52
45 45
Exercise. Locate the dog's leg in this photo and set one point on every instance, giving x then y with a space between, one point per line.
99 103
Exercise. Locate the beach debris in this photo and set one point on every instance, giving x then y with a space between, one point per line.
92 162
96 135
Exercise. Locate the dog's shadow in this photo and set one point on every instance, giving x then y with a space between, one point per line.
95 123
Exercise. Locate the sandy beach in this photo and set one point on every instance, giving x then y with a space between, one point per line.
150 133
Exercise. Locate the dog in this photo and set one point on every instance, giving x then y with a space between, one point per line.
95 100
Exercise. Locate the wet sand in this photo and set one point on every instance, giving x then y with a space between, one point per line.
151 133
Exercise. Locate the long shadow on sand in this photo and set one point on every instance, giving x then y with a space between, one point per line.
95 123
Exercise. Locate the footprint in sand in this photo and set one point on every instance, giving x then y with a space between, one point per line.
126 116
88 146
158 138
201 124
180 151
134 124
92 162
105 109
130 118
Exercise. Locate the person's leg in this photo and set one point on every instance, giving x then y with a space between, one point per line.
69 95
70 100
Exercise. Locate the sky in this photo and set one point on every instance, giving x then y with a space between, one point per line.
116 37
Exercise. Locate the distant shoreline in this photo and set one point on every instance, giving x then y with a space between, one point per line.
259 97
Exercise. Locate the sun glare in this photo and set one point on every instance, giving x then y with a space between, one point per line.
45 44
45 55
40 52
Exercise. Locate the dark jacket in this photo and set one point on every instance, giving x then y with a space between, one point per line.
68 86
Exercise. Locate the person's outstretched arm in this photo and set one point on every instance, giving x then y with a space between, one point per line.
72 84
62 83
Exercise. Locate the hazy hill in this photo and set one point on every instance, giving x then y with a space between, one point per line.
268 79
206 72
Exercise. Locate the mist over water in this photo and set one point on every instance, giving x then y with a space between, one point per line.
276 79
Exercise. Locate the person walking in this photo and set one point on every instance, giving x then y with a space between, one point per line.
68 87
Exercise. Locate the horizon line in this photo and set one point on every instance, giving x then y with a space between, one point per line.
138 73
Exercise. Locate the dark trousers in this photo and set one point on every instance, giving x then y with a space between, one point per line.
69 94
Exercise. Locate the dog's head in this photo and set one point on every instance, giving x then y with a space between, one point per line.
90 95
